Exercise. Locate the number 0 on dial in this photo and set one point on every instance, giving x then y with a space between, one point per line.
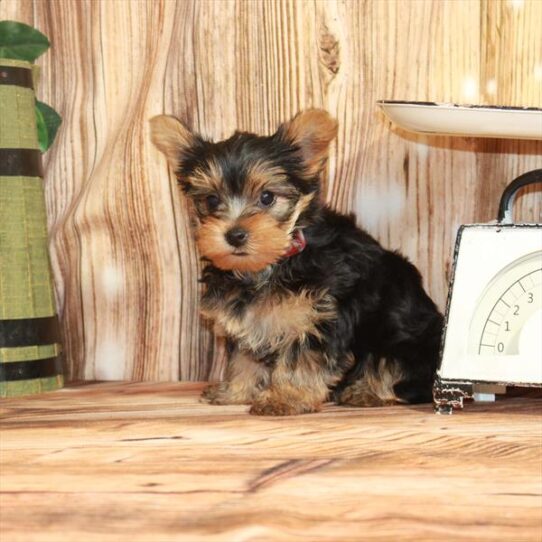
508 318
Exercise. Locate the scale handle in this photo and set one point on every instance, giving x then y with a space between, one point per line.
507 199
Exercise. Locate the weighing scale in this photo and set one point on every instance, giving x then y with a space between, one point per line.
493 326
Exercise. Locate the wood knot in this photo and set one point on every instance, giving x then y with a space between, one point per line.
329 50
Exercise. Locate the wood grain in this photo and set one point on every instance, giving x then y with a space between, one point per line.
113 462
124 260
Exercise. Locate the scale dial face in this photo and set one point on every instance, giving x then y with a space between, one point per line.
494 321
508 317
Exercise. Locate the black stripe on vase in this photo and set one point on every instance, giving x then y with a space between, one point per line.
29 332
20 162
14 75
29 370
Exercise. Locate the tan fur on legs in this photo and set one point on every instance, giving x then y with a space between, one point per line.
245 380
375 388
295 390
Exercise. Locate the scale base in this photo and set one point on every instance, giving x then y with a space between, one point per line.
449 395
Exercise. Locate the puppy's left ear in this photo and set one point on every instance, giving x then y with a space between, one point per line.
171 137
311 131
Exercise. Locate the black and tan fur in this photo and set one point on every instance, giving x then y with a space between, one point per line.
344 319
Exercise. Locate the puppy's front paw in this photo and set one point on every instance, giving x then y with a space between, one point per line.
226 393
358 395
276 407
214 394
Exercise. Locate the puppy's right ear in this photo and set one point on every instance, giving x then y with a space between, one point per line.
171 137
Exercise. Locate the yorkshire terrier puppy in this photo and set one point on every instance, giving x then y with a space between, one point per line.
312 307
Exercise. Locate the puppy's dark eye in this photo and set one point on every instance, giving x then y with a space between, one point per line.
267 198
213 201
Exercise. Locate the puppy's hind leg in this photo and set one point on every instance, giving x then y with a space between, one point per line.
375 387
418 358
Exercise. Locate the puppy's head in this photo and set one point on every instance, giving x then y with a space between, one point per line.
248 192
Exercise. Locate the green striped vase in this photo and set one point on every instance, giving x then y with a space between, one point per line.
29 337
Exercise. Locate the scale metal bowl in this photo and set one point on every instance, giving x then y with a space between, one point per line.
465 120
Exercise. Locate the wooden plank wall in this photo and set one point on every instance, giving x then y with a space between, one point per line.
123 258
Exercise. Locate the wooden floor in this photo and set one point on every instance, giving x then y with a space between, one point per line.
142 462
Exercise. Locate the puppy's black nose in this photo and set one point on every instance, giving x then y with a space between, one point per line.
237 237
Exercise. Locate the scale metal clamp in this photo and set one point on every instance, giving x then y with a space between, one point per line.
492 335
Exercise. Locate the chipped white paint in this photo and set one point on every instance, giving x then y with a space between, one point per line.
491 87
470 89
422 149
112 280
110 360
516 4
374 204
